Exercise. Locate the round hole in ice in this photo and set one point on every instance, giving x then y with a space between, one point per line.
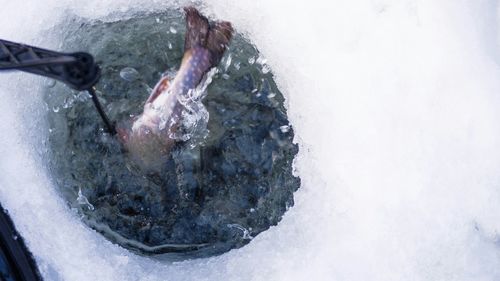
232 180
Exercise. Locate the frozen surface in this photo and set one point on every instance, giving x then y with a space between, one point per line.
395 107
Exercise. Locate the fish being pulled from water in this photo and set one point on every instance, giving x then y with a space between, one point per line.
148 137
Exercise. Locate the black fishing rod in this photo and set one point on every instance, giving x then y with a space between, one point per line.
77 70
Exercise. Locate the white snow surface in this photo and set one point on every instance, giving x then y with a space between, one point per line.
396 108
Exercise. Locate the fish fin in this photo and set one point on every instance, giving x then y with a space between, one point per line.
197 29
218 39
161 87
215 38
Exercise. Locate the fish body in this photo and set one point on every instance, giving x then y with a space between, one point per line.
148 137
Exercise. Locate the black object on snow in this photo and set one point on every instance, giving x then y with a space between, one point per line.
16 262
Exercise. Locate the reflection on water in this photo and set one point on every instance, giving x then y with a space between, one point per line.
211 195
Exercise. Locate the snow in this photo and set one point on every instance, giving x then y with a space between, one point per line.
394 104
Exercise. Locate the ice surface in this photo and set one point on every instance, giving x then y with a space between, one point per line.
395 107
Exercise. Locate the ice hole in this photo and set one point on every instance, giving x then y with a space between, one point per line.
232 178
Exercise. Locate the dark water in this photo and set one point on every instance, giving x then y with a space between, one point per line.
214 193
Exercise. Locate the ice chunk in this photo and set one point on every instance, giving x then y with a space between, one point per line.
82 200
129 74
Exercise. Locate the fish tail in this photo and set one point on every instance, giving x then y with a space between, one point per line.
200 33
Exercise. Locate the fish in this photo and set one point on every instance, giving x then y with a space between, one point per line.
148 138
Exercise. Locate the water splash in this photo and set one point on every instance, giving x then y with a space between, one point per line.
194 115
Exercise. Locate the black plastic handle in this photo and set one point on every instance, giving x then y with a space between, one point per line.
77 70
